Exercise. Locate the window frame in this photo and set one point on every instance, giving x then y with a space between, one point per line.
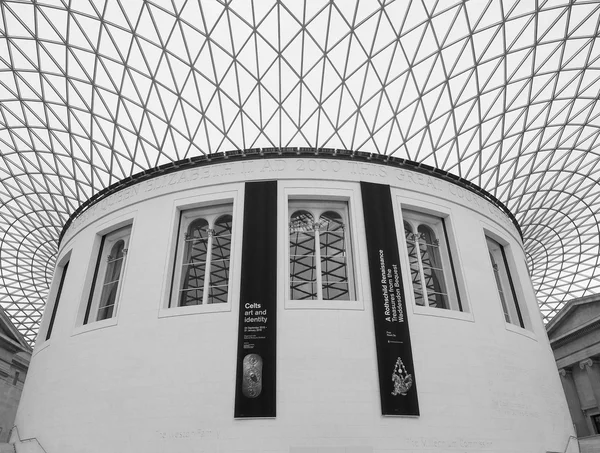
523 324
232 196
595 422
437 224
429 208
115 235
63 276
111 223
317 208
187 218
54 298
340 194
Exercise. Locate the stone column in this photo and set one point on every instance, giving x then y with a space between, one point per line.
566 378
593 372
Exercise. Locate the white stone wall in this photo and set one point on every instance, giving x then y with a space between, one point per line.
151 382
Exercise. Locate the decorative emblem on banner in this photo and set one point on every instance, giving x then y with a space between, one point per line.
252 375
402 380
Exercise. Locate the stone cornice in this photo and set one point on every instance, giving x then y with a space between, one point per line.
290 152
569 306
575 333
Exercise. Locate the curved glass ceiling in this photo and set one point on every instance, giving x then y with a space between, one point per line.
502 93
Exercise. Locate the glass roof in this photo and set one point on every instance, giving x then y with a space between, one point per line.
502 93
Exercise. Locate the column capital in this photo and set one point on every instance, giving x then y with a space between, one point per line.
587 363
565 372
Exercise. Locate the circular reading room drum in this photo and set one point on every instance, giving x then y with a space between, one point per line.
298 301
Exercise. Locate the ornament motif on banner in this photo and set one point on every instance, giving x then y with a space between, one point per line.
402 379
252 380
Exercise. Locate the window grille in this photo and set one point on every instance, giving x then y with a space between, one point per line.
319 251
203 261
431 270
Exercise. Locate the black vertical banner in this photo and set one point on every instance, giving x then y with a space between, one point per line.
256 367
397 384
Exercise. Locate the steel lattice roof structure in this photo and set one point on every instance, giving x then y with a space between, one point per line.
502 93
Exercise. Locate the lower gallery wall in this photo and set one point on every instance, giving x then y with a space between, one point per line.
155 344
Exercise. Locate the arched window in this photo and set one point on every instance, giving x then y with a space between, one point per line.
194 263
433 269
203 257
319 251
334 265
62 271
413 259
499 285
220 256
110 266
111 280
303 264
432 274
504 283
